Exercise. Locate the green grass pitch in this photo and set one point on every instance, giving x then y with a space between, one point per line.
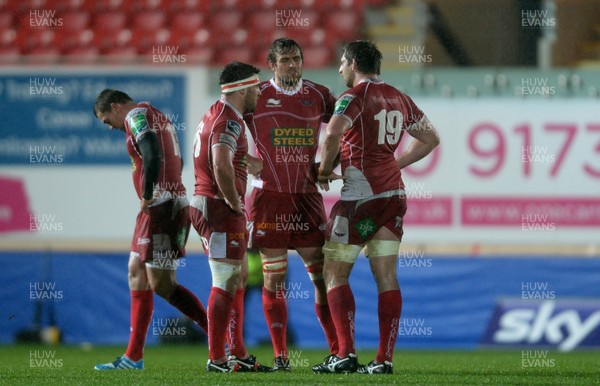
184 365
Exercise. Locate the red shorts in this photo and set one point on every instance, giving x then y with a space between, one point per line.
223 231
286 220
355 222
162 233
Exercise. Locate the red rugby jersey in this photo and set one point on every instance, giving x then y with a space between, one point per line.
222 125
141 120
379 114
285 127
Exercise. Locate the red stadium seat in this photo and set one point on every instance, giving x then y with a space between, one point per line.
6 20
8 37
343 24
111 38
223 22
199 55
29 38
261 21
352 5
229 54
317 57
107 21
186 21
309 36
270 4
24 6
107 5
190 6
146 5
184 39
75 5
145 40
148 20
71 39
75 20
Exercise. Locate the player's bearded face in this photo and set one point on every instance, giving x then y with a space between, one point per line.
346 72
250 99
288 68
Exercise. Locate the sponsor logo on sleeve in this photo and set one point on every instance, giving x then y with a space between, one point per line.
342 103
137 121
233 128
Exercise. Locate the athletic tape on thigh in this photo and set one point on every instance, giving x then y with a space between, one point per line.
341 252
277 264
377 248
222 272
315 269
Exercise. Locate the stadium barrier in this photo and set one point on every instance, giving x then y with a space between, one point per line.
448 303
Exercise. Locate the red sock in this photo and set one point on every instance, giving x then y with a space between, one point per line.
219 307
186 302
389 309
342 308
142 305
324 317
275 309
235 332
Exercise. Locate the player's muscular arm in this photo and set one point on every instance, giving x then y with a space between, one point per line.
425 140
222 158
331 147
151 156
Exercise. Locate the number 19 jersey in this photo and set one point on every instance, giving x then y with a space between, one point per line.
379 114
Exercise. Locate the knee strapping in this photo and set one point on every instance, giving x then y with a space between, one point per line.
315 269
276 264
222 273
341 252
377 248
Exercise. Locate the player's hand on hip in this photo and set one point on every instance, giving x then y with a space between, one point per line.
236 206
255 166
324 180
145 204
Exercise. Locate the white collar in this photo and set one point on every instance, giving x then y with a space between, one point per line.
232 107
286 92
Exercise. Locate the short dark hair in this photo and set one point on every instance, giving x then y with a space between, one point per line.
283 46
367 56
108 96
235 71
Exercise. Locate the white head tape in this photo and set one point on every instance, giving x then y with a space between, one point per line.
240 84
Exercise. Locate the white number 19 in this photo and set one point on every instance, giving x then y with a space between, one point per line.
390 124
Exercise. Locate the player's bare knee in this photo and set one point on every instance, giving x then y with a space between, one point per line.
314 269
274 281
387 282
